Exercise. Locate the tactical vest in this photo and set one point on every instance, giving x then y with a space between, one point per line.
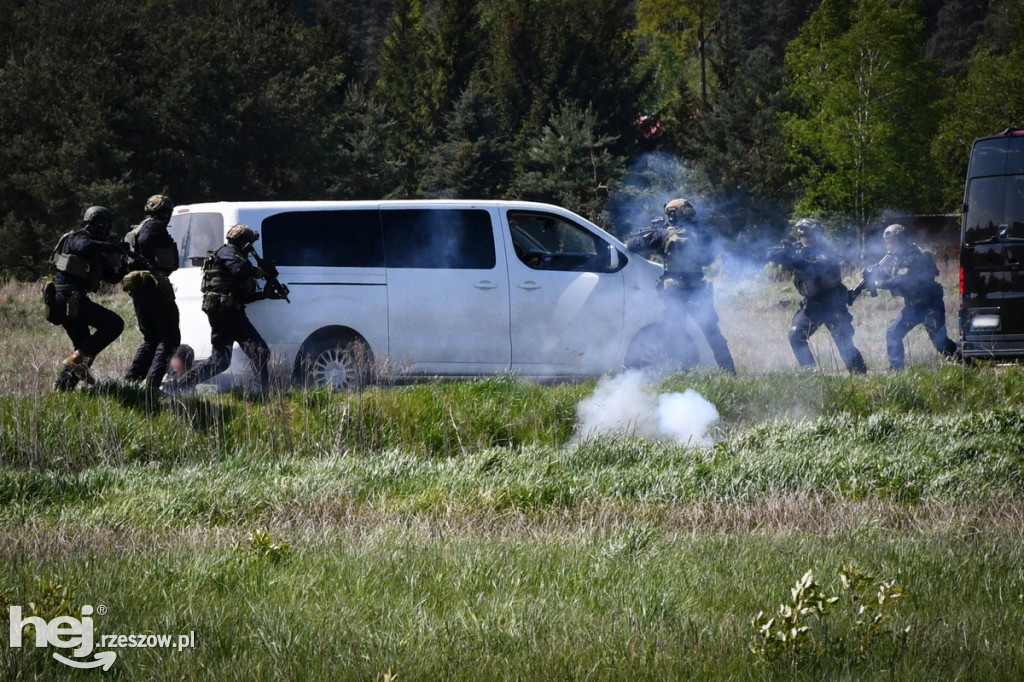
684 254
164 257
813 285
87 268
215 278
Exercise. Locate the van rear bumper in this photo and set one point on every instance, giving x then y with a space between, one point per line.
989 346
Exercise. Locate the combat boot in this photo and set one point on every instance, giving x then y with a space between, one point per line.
79 365
66 380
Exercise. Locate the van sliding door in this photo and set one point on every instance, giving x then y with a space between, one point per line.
448 299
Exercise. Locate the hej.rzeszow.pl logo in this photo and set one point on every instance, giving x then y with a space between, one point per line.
68 632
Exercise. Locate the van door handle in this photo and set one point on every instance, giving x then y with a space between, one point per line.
529 284
486 284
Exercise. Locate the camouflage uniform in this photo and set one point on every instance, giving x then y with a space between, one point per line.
686 250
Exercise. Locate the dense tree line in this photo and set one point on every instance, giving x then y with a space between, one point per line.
842 109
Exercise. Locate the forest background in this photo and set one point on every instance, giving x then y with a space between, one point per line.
845 110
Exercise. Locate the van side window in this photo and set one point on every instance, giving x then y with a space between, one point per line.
196 234
549 242
332 239
460 239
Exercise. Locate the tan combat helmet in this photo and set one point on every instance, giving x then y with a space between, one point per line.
679 211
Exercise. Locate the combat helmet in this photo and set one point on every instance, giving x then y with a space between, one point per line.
895 232
97 219
680 211
241 235
159 206
807 227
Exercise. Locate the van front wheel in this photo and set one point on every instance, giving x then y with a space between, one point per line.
339 363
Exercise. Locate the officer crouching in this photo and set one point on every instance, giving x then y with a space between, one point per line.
82 260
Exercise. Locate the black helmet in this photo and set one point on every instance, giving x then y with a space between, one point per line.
679 211
159 206
241 235
97 219
806 227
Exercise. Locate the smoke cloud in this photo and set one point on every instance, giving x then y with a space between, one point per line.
627 405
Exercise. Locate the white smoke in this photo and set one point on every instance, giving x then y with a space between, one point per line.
627 405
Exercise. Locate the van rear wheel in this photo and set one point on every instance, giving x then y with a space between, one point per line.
338 363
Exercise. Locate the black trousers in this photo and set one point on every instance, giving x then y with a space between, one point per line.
931 314
831 311
157 314
699 303
91 315
228 326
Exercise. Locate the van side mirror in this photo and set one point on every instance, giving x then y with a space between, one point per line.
613 258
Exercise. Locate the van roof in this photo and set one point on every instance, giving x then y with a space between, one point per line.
324 204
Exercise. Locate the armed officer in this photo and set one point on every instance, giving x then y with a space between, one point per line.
686 248
229 283
818 278
153 257
909 272
82 260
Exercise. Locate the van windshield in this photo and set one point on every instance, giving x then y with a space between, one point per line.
196 234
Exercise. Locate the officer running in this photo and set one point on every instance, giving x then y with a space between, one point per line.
82 260
151 292
229 283
818 278
909 272
687 250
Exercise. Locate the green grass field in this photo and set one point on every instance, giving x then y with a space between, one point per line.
456 531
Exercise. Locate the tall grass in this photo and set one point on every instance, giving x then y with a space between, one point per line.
447 530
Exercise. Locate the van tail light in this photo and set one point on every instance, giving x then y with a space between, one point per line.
961 280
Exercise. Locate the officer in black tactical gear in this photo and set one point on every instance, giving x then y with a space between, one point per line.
818 278
229 283
153 257
686 249
82 260
909 272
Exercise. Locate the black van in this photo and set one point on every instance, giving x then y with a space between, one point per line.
992 249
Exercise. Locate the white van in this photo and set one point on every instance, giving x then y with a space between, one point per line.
438 288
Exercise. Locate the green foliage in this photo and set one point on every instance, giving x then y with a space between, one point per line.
473 161
787 637
260 545
800 634
867 120
404 91
570 164
992 75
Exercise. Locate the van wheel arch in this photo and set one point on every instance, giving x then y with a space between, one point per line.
658 348
335 357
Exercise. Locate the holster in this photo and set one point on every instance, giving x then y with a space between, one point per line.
55 312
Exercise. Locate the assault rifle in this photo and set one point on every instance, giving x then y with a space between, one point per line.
641 237
869 279
274 288
785 253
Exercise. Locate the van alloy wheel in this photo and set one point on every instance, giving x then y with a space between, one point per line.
338 363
